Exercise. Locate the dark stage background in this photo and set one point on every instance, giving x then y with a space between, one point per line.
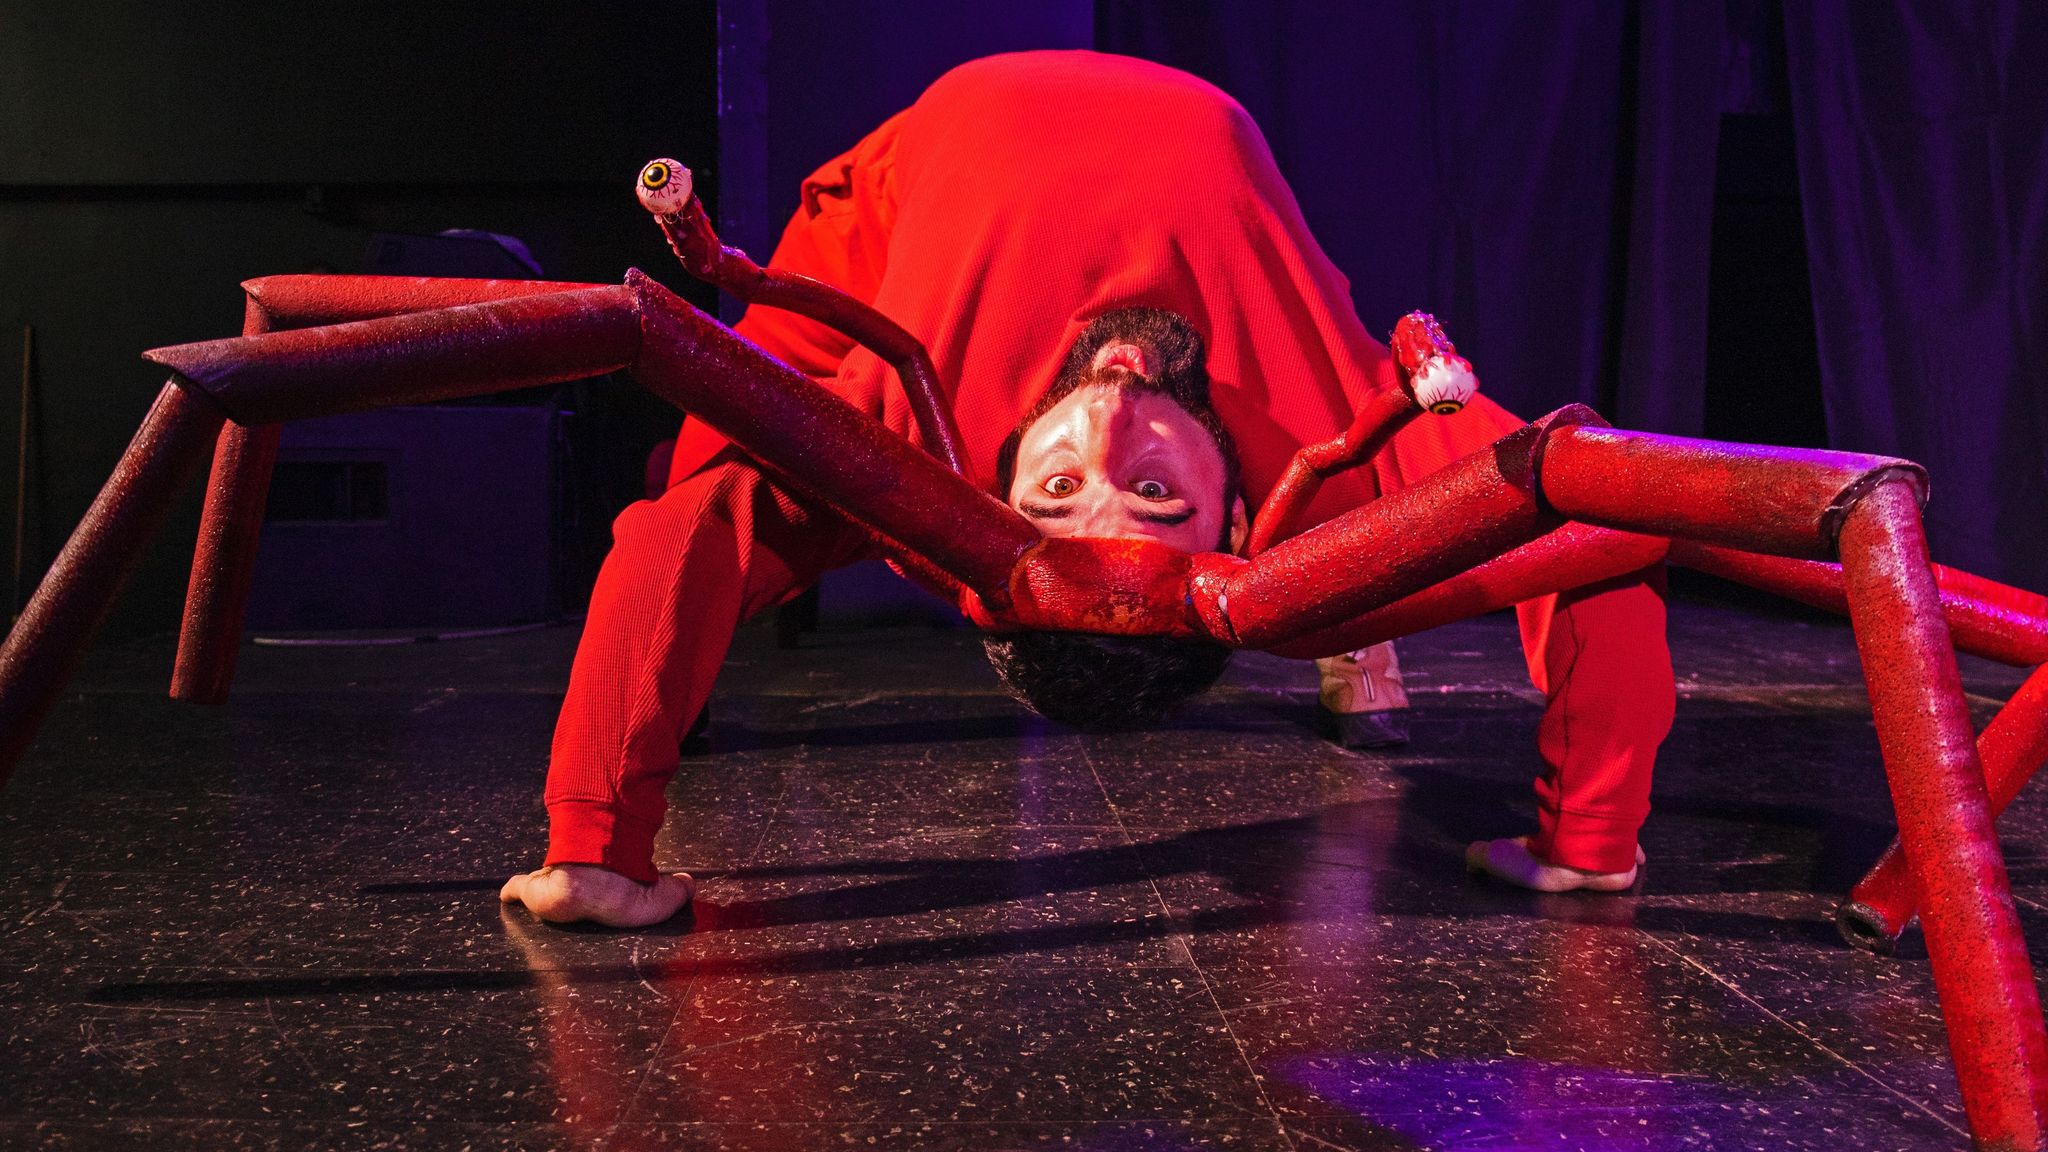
1605 201
152 156
1820 224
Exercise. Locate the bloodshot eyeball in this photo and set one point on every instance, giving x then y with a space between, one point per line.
664 187
1444 384
1439 379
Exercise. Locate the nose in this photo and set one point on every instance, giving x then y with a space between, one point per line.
1095 511
1100 508
1129 357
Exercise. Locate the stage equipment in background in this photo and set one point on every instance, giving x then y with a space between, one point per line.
1558 504
429 517
415 517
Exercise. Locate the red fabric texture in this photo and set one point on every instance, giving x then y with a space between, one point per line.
683 572
1019 198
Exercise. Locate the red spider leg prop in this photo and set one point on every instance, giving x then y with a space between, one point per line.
1724 496
1988 619
48 641
1433 378
1801 504
792 426
224 560
1572 556
183 428
666 190
2013 747
1812 504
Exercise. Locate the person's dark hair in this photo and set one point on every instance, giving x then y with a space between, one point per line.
1103 683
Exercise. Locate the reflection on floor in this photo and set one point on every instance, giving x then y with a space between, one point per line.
928 920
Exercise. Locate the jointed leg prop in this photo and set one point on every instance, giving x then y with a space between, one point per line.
1809 504
1486 530
1981 969
2013 748
47 643
666 190
224 559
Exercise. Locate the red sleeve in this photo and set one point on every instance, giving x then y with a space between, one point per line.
839 234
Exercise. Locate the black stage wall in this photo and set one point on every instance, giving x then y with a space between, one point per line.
152 156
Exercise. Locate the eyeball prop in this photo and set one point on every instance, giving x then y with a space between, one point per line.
1440 380
664 187
1445 384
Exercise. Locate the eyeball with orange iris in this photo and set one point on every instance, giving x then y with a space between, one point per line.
664 187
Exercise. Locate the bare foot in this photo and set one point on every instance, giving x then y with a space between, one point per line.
1511 860
564 893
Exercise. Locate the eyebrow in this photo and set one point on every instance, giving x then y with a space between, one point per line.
1039 511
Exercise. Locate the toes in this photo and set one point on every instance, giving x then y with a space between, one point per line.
563 895
660 900
514 891
1475 857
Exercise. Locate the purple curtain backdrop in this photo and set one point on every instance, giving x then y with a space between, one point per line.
1539 175
1542 176
1923 169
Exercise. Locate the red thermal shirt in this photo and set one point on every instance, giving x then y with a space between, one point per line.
1019 198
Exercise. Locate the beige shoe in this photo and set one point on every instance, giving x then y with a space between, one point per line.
1362 691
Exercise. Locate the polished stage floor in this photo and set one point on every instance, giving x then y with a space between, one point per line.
928 920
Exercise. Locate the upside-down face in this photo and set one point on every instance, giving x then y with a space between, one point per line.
1121 454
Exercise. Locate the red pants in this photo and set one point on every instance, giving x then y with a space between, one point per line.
1598 656
686 569
980 219
683 572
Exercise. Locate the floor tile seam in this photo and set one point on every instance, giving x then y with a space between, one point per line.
911 823
286 691
922 1122
229 972
707 969
1807 1036
840 695
1318 1141
149 973
777 808
1757 696
689 990
969 824
1208 988
683 999
1767 1087
699 970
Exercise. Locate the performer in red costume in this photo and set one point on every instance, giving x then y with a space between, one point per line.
1021 197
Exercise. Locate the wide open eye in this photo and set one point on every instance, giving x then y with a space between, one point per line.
1151 490
1061 486
664 186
